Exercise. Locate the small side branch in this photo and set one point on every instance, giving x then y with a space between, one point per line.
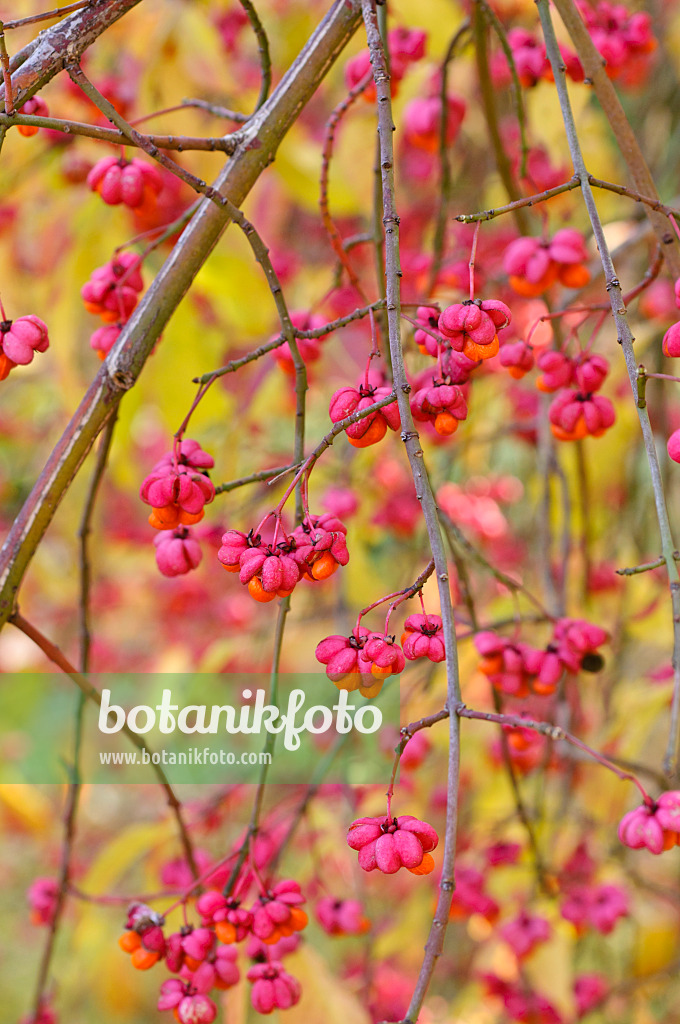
479 30
222 144
519 204
57 12
263 50
317 332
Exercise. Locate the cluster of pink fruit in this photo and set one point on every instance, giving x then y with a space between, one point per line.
112 292
178 488
467 334
364 659
624 40
372 428
388 844
516 668
533 265
531 61
203 957
313 551
576 412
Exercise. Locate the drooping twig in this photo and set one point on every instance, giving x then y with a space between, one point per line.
479 30
253 824
554 733
74 788
263 50
424 494
329 224
625 338
652 201
6 76
497 26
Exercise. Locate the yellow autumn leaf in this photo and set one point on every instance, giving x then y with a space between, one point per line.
25 805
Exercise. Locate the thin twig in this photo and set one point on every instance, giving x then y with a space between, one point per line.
254 478
552 732
583 494
329 224
326 441
253 824
444 196
217 110
518 95
6 76
424 494
510 582
74 788
466 590
549 729
518 204
83 538
178 143
107 108
653 202
263 50
625 339
269 346
635 570
479 30
57 12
